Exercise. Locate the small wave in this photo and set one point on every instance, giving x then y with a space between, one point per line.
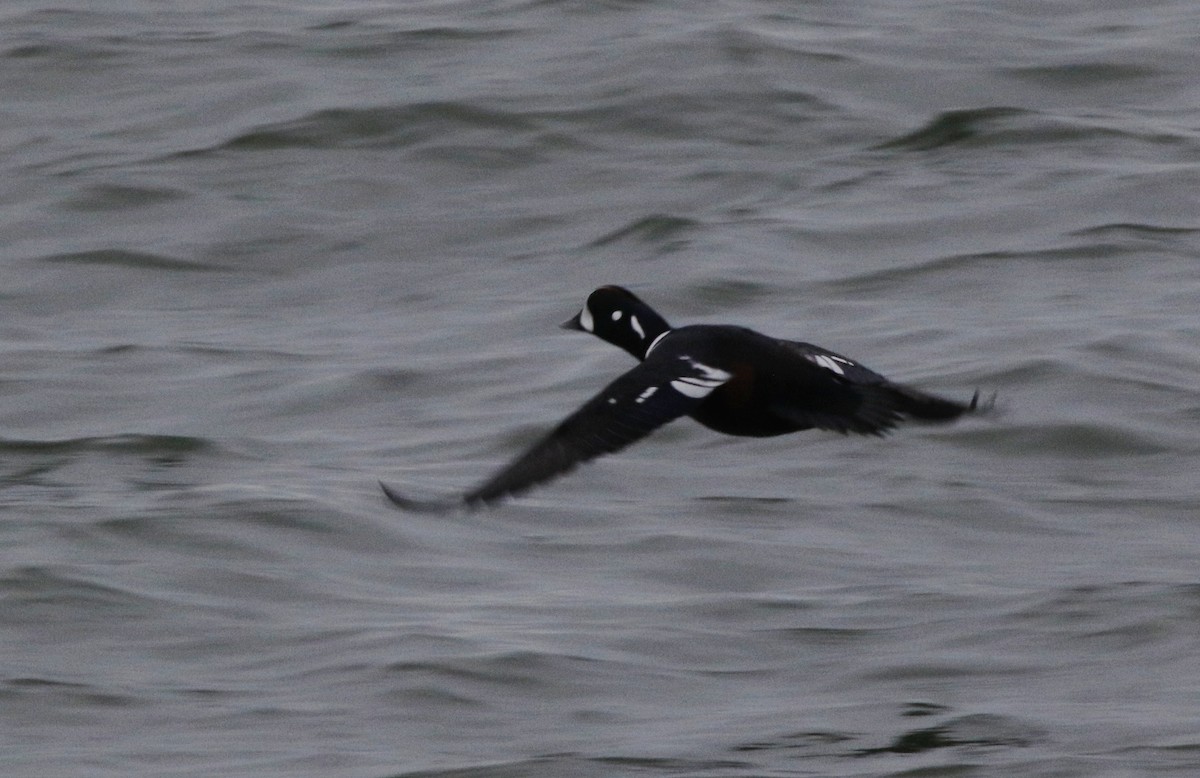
281 513
110 197
1016 127
871 281
1075 439
820 739
976 730
349 38
382 127
391 380
970 730
669 765
582 766
745 501
1101 601
66 55
823 637
133 260
729 292
141 445
515 668
247 531
1153 232
66 693
30 51
952 128
1084 74
654 229
554 766
29 592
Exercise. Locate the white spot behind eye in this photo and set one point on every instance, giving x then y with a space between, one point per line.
617 315
637 327
585 320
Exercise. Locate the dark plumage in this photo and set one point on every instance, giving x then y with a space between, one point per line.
730 379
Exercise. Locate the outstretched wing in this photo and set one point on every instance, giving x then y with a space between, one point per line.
655 392
843 396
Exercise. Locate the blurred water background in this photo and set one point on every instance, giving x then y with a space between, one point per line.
257 255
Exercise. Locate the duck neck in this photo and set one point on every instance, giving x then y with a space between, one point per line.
650 328
654 342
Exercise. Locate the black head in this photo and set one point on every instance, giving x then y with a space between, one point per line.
615 314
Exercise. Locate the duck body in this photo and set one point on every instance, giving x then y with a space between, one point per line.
730 379
774 389
743 405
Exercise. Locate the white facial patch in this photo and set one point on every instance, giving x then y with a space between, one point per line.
646 395
697 387
637 327
830 362
586 321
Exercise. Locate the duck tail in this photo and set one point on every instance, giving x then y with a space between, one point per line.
928 407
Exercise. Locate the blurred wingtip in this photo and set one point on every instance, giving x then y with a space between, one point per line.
417 506
981 404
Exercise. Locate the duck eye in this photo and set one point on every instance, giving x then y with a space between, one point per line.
617 315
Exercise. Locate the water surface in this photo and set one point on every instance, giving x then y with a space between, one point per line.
258 256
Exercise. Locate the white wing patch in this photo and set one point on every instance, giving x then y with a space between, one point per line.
637 327
830 362
693 387
646 395
702 385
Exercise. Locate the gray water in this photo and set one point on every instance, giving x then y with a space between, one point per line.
258 256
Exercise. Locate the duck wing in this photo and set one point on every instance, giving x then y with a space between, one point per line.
657 391
842 395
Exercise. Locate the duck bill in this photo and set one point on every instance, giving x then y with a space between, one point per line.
573 324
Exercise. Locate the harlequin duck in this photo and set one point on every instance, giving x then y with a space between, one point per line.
730 379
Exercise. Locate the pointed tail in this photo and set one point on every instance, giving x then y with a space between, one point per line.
927 407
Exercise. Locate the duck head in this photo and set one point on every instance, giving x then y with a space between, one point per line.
615 314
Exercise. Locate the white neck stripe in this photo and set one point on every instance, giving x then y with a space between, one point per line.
654 342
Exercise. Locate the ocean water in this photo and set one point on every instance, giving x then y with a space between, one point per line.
257 256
